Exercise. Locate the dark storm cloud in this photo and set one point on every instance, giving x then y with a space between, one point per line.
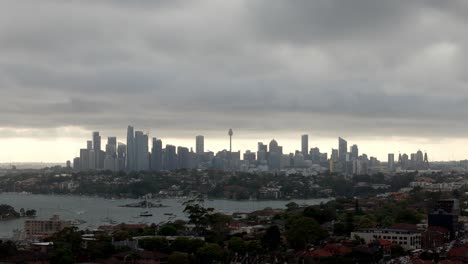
360 67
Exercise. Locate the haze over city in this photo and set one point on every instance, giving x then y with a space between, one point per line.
388 76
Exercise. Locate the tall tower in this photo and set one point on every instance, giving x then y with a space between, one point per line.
200 145
97 149
130 149
305 145
230 133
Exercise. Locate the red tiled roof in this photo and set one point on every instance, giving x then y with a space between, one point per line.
383 242
405 226
321 253
459 252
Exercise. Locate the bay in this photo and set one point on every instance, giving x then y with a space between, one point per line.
96 211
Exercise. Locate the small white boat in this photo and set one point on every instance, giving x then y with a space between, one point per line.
145 214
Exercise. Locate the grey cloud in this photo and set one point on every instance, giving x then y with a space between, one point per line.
360 67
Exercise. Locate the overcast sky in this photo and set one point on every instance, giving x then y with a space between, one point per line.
387 75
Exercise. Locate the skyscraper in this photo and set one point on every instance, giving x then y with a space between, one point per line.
141 151
305 145
110 159
170 158
130 149
391 162
121 156
200 145
183 155
97 150
156 155
354 152
342 149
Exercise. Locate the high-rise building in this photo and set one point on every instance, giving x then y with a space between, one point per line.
130 149
334 155
342 149
183 158
97 150
110 159
315 155
76 164
391 162
141 151
156 155
305 145
354 152
170 158
200 145
89 144
121 156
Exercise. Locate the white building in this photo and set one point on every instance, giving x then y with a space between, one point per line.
409 240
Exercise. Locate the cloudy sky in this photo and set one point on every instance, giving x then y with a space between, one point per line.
389 76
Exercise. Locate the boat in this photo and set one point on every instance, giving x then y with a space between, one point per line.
168 214
146 213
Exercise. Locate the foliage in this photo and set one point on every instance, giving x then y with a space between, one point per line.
167 230
301 230
179 258
271 240
68 238
7 249
154 244
197 214
237 245
7 211
182 244
210 252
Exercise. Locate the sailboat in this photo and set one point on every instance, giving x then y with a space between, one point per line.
146 213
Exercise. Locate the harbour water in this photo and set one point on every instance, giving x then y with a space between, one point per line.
94 211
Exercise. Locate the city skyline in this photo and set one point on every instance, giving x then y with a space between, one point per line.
377 147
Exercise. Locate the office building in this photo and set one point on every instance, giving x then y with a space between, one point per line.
305 145
97 150
183 158
156 155
141 151
354 152
130 149
200 145
391 162
342 149
170 158
334 155
121 156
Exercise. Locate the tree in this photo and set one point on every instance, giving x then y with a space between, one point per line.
292 206
209 253
7 249
271 240
156 243
30 213
68 238
167 230
254 247
197 214
303 230
63 255
183 244
237 245
179 258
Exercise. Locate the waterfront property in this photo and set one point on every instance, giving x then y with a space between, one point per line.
41 228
